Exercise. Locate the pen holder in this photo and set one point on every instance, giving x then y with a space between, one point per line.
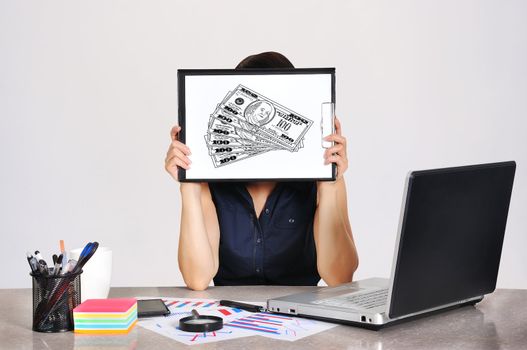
54 298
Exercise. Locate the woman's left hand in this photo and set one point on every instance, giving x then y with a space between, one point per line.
337 153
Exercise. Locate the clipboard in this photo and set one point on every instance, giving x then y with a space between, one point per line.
255 124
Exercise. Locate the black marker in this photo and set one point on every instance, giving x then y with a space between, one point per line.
243 306
58 264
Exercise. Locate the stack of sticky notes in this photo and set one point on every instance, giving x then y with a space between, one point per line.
105 316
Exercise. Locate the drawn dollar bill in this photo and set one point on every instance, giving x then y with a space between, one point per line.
246 124
219 127
225 159
272 120
216 140
223 146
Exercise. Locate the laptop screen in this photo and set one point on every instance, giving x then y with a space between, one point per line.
451 236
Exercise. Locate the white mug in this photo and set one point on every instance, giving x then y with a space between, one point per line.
96 273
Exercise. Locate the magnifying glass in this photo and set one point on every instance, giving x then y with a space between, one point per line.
200 323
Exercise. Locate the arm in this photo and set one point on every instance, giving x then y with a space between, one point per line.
199 232
337 257
199 236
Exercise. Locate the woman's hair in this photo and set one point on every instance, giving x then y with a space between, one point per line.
269 59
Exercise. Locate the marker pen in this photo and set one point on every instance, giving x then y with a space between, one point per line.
32 262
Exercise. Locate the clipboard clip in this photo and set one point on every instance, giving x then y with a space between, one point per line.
327 122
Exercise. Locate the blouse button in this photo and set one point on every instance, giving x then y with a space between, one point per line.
291 220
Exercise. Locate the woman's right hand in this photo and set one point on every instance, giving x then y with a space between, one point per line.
177 154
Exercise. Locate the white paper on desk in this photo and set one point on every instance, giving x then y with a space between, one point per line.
169 329
181 307
237 323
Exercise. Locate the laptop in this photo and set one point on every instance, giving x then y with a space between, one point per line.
447 252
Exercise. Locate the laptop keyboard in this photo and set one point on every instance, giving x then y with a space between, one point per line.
366 300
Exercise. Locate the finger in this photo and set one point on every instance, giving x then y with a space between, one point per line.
181 146
334 158
339 160
174 152
336 138
338 127
175 162
338 148
180 161
342 164
174 132
173 167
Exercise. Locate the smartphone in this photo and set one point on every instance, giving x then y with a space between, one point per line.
151 307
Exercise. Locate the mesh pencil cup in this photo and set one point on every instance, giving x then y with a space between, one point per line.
54 298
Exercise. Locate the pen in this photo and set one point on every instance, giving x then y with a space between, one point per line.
45 309
58 264
41 264
243 306
43 267
69 266
38 256
54 257
32 262
64 254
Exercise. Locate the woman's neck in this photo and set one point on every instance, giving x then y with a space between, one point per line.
259 192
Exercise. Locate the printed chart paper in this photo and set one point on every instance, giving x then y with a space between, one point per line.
279 326
179 308
236 323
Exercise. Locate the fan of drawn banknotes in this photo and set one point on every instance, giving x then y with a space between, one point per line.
246 124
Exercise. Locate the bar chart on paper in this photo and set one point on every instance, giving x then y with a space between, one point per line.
168 326
237 323
261 323
183 307
278 326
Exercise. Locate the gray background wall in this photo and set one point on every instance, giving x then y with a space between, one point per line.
88 96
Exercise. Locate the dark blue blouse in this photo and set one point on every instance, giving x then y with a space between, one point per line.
276 248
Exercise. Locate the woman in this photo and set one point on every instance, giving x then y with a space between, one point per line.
265 232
